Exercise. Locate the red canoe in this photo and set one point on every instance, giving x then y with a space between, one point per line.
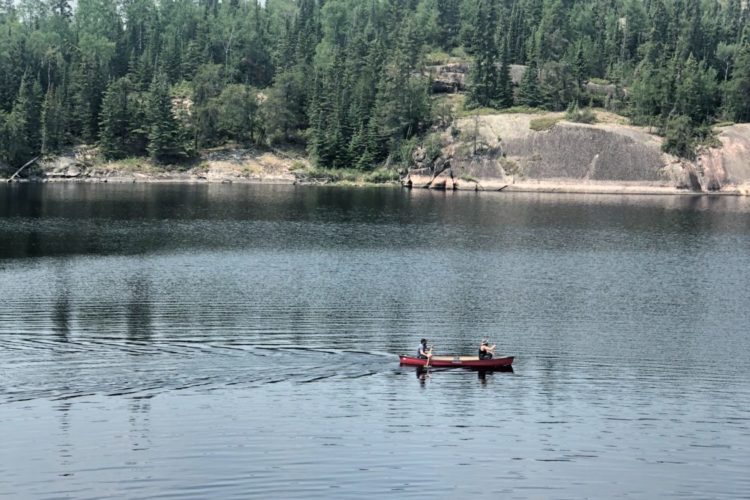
459 362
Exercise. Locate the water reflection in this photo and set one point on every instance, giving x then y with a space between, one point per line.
138 313
62 310
254 309
64 445
140 424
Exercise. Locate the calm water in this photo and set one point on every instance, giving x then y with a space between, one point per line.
240 341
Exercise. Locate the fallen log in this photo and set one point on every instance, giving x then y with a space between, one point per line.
21 169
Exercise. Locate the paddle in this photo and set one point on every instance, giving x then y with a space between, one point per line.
489 350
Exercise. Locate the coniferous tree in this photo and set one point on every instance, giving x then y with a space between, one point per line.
238 110
402 107
738 90
504 82
23 124
344 76
53 122
483 87
696 91
449 22
164 138
116 120
528 92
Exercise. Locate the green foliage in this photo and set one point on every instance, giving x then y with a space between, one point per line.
53 122
21 130
679 137
529 94
166 140
558 86
348 176
544 123
382 176
738 88
433 147
406 152
122 131
346 77
579 115
238 113
484 88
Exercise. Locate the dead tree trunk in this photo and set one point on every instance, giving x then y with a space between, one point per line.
21 169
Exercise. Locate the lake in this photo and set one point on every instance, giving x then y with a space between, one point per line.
241 341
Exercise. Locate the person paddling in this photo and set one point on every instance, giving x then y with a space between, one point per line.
423 352
486 350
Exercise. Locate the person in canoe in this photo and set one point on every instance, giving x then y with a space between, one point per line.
486 350
423 352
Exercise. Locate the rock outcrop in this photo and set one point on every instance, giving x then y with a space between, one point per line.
505 152
452 77
448 78
727 166
85 164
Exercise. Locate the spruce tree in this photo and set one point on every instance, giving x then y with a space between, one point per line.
504 83
738 90
483 77
53 121
528 92
449 22
115 120
164 138
22 125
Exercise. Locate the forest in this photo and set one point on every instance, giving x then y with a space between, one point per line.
348 79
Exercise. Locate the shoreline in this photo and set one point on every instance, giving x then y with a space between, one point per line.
553 187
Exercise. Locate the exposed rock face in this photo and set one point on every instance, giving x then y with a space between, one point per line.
62 167
578 151
496 151
604 90
222 165
730 164
451 78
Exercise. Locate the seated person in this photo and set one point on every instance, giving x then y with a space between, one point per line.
423 352
485 350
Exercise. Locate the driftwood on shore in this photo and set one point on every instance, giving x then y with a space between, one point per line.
21 169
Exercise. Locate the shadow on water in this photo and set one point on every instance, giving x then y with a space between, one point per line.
423 374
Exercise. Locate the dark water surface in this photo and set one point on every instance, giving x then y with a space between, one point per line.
240 342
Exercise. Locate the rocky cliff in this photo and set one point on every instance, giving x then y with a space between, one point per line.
545 152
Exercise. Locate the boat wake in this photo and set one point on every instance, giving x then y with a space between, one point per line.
34 369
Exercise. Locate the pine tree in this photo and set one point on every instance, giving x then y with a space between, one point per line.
483 78
22 124
53 122
87 98
528 92
738 93
449 22
504 83
115 120
696 91
164 138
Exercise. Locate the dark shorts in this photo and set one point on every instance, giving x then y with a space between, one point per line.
485 355
420 356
